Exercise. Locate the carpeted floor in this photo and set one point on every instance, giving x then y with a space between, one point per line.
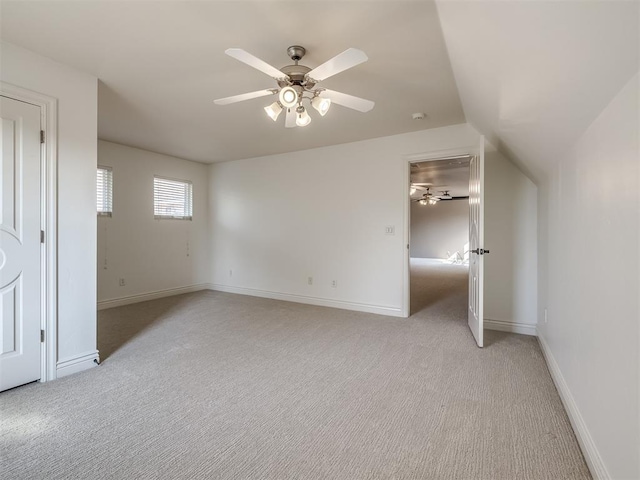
214 385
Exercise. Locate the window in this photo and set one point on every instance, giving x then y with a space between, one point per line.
104 191
172 198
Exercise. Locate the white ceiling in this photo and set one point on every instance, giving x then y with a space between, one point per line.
162 63
533 75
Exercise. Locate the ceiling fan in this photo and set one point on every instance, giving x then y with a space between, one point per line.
428 198
297 83
414 187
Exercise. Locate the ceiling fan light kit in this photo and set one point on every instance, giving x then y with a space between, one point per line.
321 105
288 97
302 117
273 110
298 83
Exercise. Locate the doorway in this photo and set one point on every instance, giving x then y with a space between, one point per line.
439 232
427 187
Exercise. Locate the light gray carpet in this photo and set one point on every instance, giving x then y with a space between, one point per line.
214 385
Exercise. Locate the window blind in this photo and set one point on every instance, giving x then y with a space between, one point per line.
172 198
104 190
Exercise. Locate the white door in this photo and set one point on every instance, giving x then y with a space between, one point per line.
20 251
476 243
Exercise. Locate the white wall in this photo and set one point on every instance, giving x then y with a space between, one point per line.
590 256
76 93
151 255
280 219
510 234
438 229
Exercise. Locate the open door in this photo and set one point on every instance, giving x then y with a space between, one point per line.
476 242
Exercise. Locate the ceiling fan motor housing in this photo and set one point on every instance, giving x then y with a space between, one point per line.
296 52
296 75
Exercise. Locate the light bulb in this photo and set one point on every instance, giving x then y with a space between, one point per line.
273 110
422 202
302 117
288 97
321 105
412 190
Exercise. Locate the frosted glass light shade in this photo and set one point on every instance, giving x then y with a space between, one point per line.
273 110
321 105
288 97
302 118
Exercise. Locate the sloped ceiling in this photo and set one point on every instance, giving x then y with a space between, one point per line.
162 63
533 75
530 75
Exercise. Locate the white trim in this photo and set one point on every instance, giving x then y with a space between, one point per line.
78 364
143 297
406 236
322 302
512 327
406 213
49 151
589 450
439 154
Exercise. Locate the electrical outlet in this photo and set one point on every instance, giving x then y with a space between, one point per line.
121 282
390 230
310 280
334 283
546 319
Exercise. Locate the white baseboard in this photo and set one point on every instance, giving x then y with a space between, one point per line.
322 302
143 297
77 364
512 327
588 446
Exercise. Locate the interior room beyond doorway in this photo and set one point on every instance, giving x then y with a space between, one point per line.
439 233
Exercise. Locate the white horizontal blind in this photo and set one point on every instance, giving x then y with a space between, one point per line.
172 198
104 191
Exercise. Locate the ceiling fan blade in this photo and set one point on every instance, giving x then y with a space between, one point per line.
290 120
347 59
244 96
349 101
255 62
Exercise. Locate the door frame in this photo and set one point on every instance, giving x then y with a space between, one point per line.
48 221
406 257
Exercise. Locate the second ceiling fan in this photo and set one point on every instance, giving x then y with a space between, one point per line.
297 83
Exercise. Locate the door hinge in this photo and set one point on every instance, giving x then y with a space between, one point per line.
41 136
41 336
41 236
